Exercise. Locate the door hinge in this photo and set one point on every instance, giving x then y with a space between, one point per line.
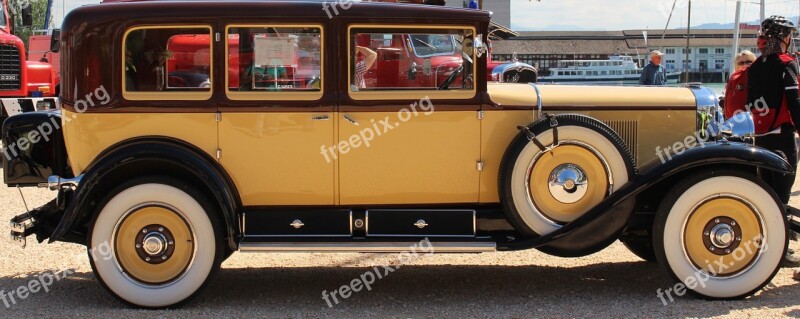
480 166
480 114
217 37
219 117
219 153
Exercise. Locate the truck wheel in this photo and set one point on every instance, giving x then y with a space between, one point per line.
544 185
721 234
154 243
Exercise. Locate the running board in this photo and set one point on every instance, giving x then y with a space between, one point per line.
367 247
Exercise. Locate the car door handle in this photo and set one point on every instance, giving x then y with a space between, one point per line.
320 118
350 119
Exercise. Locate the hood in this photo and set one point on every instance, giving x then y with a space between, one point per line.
524 95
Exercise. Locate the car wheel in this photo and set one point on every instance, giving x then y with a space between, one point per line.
544 185
154 243
721 234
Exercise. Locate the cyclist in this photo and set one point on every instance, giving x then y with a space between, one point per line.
773 79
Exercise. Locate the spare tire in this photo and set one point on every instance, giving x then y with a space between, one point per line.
557 169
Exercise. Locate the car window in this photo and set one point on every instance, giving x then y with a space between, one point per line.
276 60
426 45
405 59
172 60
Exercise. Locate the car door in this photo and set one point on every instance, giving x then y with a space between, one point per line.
412 144
279 114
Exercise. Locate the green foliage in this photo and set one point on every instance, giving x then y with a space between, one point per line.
39 9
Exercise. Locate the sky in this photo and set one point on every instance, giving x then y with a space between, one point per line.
530 15
533 15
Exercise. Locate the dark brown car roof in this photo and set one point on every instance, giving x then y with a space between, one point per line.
91 40
262 8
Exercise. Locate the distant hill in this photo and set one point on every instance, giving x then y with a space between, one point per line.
728 25
712 26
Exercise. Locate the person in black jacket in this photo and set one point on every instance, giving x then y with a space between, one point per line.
773 80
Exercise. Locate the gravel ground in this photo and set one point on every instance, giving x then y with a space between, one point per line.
612 283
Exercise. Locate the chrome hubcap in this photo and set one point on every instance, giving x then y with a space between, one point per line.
568 183
155 244
722 236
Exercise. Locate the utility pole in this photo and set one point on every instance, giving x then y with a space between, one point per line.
763 10
736 35
688 36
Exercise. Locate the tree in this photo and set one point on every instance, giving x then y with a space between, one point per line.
39 10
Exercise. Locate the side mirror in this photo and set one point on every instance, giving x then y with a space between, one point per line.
55 41
27 15
412 71
479 46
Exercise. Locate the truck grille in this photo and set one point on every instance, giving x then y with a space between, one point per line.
10 75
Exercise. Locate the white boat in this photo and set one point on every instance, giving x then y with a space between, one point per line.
617 69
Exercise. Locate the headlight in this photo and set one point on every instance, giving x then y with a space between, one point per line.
711 122
740 127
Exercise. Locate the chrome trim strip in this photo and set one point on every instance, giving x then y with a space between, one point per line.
387 247
538 101
475 222
56 182
706 102
298 236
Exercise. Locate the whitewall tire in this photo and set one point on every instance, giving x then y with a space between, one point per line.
541 190
153 244
721 234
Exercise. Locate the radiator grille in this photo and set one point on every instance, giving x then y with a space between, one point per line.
628 131
10 75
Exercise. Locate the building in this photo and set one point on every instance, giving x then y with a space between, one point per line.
501 9
710 51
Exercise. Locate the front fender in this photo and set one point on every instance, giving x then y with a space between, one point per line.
616 207
41 77
153 155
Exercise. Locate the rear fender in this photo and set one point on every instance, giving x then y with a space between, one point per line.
151 156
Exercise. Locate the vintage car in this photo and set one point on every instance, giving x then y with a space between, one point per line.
162 176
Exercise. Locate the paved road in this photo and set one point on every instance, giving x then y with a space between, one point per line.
612 283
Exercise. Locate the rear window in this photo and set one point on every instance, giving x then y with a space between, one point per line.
165 63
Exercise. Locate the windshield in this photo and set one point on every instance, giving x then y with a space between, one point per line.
2 15
432 44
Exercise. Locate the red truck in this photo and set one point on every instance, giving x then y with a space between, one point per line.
24 85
